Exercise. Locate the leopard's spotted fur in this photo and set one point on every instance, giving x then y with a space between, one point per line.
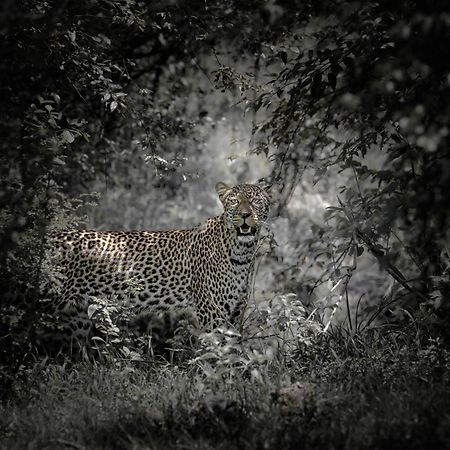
204 270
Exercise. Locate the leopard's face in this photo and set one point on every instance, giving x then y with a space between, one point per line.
246 208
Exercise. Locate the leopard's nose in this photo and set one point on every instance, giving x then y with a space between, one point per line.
245 214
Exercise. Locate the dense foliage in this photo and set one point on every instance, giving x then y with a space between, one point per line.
380 392
124 114
363 91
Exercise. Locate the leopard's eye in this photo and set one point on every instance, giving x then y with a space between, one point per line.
232 202
258 202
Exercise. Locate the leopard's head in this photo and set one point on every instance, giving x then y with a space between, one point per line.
246 207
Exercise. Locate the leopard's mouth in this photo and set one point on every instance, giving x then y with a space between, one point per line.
246 230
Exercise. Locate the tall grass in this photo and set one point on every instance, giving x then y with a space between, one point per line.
373 390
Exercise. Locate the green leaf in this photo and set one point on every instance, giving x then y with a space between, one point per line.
58 161
67 136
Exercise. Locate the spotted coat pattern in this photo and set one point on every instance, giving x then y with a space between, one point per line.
204 270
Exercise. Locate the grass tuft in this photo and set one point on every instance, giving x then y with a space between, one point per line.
375 390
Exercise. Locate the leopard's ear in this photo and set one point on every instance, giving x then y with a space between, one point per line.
223 190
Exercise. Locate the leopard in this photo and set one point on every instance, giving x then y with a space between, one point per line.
204 271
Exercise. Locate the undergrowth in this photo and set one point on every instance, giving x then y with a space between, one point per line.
378 389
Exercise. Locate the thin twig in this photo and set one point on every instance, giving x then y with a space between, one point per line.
390 268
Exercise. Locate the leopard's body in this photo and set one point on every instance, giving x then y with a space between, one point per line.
204 271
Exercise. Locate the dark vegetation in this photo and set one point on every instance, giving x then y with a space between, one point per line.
124 114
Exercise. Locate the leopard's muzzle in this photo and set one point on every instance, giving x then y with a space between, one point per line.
246 226
246 230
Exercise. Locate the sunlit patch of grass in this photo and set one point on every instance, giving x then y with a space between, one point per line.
375 390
